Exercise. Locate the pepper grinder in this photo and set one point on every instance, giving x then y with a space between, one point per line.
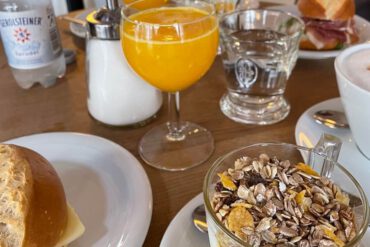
117 96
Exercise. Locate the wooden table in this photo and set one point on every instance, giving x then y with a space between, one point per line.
63 108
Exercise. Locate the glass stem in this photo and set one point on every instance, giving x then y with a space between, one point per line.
175 128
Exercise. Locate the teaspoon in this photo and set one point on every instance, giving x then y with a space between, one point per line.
332 119
199 218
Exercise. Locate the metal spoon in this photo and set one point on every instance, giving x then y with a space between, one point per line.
332 119
199 218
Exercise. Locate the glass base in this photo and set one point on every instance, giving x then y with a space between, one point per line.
163 152
254 109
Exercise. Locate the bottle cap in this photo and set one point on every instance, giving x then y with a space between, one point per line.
104 22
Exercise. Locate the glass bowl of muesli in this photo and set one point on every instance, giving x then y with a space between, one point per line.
273 195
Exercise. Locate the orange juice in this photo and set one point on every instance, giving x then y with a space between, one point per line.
223 6
171 57
145 4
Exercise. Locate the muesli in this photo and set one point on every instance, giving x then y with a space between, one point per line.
268 202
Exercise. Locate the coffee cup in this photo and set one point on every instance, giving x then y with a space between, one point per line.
352 69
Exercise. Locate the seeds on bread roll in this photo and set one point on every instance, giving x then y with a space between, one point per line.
33 209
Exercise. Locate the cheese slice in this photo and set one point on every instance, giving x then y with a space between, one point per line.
74 229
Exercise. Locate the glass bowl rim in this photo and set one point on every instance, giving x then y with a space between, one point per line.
292 36
218 162
211 13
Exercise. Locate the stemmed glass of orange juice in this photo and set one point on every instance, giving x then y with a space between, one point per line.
171 46
144 4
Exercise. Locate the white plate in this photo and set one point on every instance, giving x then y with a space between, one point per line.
308 132
362 26
78 29
104 183
181 232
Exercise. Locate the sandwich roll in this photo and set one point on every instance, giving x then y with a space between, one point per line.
329 24
327 9
33 207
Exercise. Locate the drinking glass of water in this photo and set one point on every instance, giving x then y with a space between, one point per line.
259 51
226 6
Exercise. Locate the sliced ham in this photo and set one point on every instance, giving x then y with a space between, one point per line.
324 30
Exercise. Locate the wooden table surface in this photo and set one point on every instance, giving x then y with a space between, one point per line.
63 108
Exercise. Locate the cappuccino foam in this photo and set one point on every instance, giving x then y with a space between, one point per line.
356 68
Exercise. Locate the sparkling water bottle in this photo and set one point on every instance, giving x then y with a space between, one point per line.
31 41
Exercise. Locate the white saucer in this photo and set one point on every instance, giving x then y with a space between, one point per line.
308 132
105 184
362 26
181 232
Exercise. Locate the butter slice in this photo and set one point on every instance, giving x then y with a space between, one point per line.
74 229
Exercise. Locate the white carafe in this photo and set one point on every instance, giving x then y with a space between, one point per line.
116 95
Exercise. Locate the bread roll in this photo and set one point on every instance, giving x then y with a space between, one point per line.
327 9
33 209
306 44
329 24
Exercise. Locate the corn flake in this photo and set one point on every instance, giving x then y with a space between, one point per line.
299 197
227 182
292 192
306 169
342 198
238 218
331 235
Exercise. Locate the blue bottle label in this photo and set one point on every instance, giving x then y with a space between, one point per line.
30 38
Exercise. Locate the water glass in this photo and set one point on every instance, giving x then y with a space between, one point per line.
259 51
226 6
